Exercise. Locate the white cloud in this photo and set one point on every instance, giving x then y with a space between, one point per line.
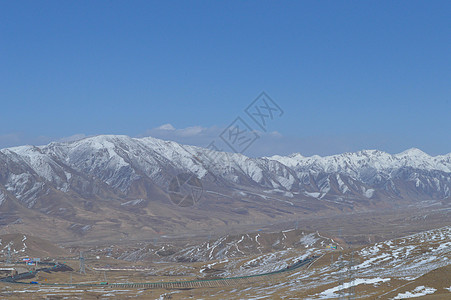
191 131
166 127
193 135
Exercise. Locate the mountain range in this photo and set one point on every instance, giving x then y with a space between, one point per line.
112 183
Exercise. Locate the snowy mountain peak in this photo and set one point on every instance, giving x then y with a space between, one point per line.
413 152
296 155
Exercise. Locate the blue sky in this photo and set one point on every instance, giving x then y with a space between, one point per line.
349 75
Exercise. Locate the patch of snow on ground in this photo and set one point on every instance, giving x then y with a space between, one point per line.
132 202
369 193
313 194
417 292
309 240
370 262
331 293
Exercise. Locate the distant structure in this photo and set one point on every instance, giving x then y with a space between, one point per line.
8 255
82 263
351 277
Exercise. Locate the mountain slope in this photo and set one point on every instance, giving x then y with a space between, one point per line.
106 181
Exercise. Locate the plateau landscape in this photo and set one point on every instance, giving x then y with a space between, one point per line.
242 150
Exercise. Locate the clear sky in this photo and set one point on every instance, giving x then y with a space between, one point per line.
349 75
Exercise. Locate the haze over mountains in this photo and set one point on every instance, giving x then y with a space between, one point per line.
121 184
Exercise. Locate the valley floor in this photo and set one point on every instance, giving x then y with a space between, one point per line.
417 265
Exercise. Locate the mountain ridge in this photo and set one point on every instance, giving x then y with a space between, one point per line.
128 159
85 181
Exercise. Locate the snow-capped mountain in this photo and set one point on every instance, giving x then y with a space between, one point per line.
77 180
120 163
407 174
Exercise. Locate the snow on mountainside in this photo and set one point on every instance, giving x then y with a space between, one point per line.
380 170
354 163
142 167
